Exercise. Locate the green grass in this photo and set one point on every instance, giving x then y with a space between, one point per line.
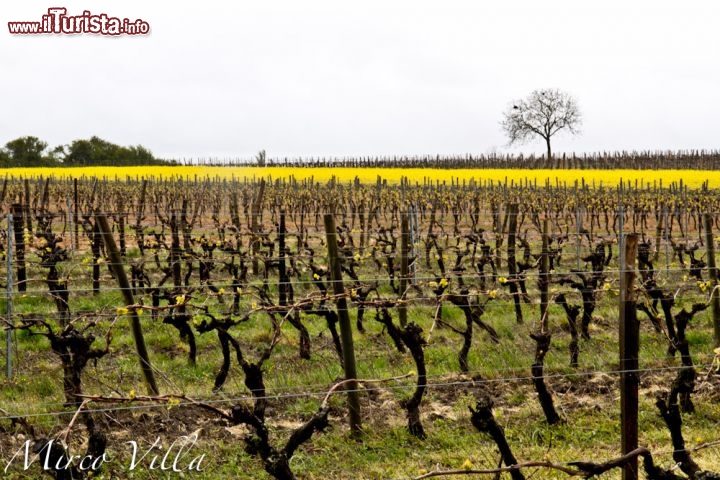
387 450
587 397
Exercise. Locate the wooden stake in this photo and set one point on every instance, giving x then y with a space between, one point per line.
544 282
712 270
629 351
18 220
345 328
402 308
511 213
117 268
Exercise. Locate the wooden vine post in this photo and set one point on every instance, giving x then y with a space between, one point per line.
543 337
19 232
76 213
26 207
512 215
119 272
345 328
712 270
255 226
629 351
544 278
284 280
404 234
9 300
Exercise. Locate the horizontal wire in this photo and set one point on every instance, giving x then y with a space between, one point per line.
612 291
371 354
320 394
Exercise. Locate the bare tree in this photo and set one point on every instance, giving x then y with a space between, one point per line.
544 113
261 158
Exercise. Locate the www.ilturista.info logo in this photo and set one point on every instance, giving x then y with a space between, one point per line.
58 22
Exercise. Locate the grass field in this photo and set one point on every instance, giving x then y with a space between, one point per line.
586 397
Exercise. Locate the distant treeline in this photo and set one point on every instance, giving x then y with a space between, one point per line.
647 160
30 151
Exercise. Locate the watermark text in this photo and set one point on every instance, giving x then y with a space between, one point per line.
58 22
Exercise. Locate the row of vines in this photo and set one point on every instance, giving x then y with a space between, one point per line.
212 259
608 160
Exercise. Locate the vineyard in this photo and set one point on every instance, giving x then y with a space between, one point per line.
348 327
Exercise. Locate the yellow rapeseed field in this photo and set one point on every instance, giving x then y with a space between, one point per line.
608 178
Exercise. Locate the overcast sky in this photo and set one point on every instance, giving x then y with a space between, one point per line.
371 77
